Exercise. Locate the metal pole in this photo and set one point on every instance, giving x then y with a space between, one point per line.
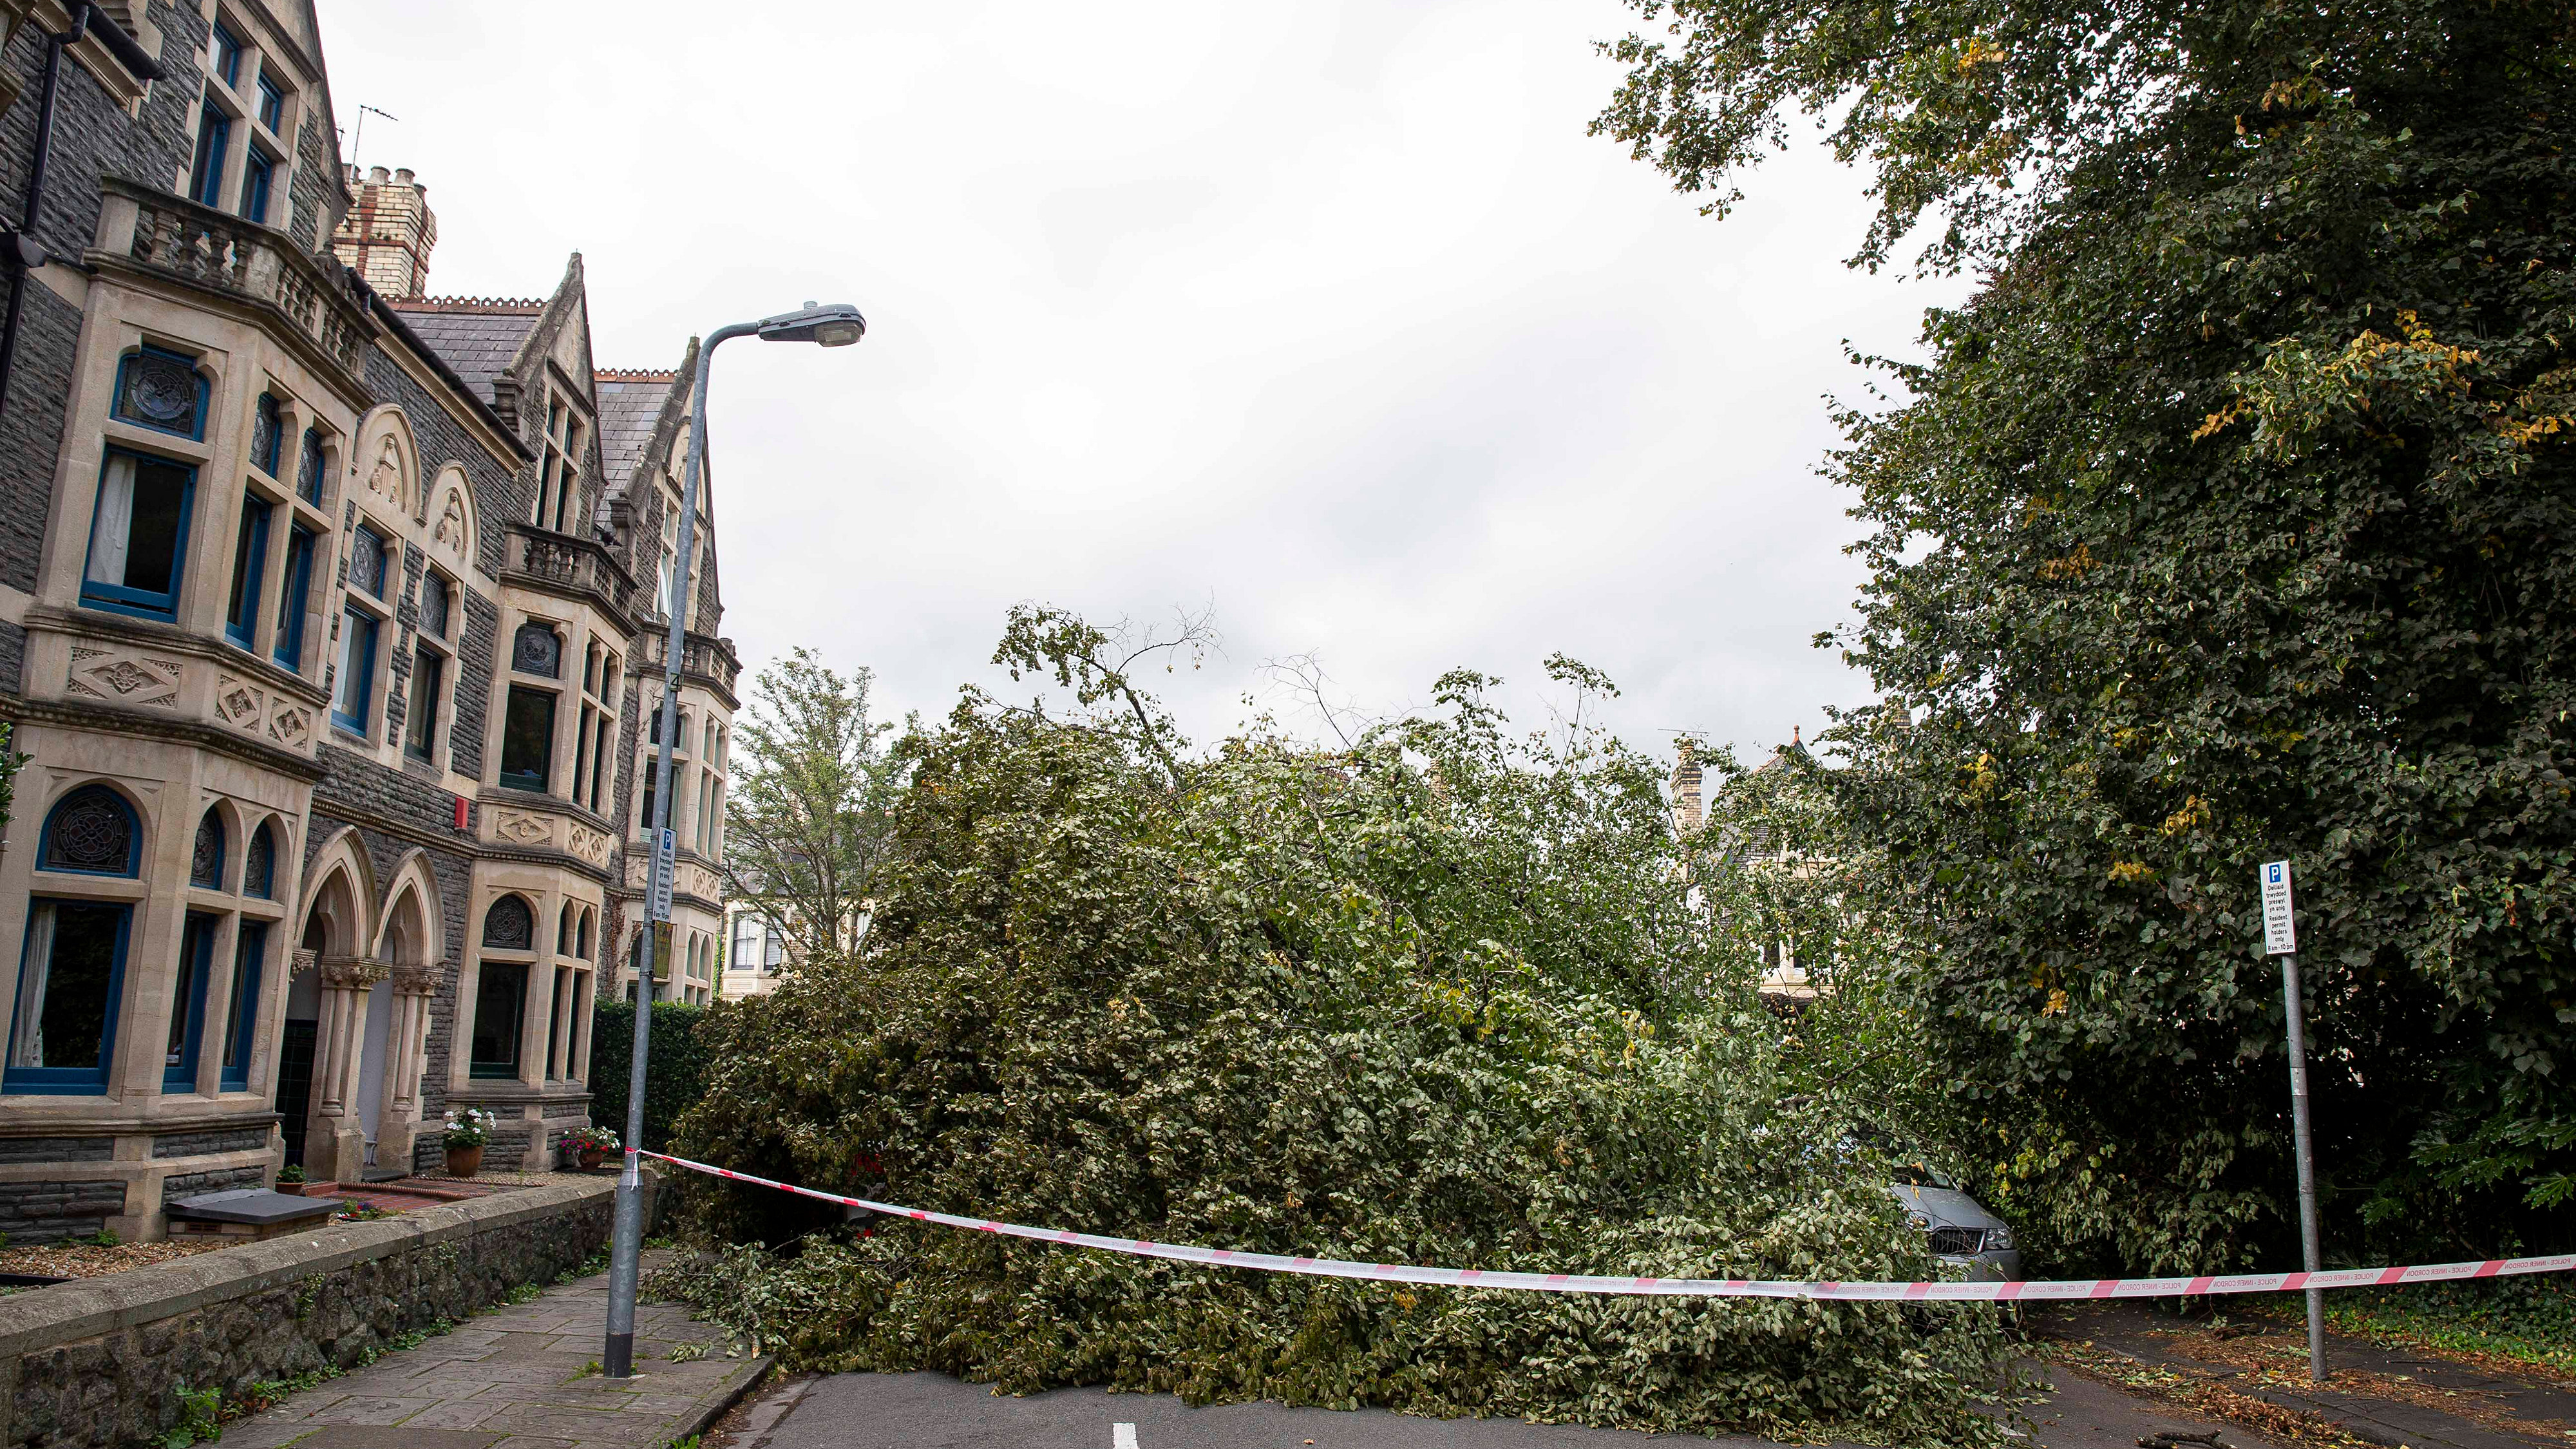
2307 1163
626 1248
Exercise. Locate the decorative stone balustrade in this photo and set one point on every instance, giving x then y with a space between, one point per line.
562 564
223 253
703 657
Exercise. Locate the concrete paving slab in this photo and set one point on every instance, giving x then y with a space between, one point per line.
497 1384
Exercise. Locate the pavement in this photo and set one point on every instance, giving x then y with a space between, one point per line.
2379 1395
521 1377
933 1411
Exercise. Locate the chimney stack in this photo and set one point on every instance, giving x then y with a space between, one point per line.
386 238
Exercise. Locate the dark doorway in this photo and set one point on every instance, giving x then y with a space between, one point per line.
295 1084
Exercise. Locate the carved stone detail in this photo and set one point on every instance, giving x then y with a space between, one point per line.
123 677
353 973
589 844
522 828
418 980
238 704
290 725
451 524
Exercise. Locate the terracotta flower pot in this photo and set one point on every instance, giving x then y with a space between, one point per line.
589 1157
464 1161
291 1189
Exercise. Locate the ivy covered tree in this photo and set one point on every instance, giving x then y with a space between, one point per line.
1435 997
2231 521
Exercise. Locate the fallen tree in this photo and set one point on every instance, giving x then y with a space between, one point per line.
1437 997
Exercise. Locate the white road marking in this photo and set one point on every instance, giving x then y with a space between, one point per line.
1122 1436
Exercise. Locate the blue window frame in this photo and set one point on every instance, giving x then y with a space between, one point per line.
214 137
272 102
228 54
353 694
250 556
91 831
62 1028
138 538
308 467
294 593
188 1002
160 389
259 169
250 956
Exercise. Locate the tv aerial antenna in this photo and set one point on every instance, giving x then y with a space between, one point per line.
363 112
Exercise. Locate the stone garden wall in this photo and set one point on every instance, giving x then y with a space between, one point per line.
99 1364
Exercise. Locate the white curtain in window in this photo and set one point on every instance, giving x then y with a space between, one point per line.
27 1034
113 530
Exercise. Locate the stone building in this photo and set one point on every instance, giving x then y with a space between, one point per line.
321 637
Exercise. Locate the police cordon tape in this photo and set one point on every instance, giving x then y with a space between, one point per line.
2027 1292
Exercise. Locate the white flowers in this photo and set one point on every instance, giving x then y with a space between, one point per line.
470 1126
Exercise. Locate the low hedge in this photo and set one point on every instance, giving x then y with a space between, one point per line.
678 1066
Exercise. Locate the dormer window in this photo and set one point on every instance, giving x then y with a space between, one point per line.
559 472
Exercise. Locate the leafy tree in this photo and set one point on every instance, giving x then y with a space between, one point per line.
1434 997
2230 521
806 813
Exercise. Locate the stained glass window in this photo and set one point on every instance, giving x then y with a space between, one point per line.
93 830
510 925
206 865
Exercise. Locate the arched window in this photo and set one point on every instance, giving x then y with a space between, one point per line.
259 864
581 942
564 928
206 864
93 831
510 925
267 434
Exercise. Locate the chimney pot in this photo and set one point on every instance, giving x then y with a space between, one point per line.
403 176
376 174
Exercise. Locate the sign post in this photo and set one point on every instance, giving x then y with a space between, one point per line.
2281 938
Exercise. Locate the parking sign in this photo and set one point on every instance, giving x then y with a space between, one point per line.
2280 932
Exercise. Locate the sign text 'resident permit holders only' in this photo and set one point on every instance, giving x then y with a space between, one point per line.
2280 935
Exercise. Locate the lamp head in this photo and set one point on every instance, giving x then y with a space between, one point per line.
833 324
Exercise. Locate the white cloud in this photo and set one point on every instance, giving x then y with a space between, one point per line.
1328 313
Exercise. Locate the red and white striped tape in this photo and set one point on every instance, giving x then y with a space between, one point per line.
2043 1290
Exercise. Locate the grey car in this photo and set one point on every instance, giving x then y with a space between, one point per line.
1964 1235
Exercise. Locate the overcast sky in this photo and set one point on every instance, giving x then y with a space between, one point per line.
1327 314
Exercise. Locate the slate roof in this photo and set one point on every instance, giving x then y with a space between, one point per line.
630 402
477 336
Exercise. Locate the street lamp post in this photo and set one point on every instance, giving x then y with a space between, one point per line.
836 325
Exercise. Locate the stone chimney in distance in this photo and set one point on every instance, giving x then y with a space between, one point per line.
1687 818
387 236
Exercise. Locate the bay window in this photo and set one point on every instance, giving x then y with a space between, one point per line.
138 538
250 555
294 593
528 738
